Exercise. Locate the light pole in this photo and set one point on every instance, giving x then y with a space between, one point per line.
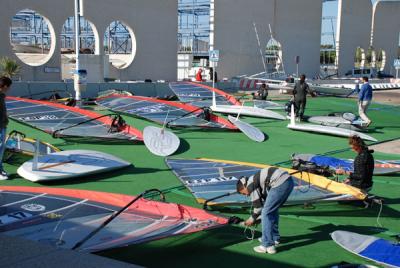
77 67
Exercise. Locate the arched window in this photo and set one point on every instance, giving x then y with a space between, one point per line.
120 44
370 58
273 56
32 37
359 58
380 59
88 41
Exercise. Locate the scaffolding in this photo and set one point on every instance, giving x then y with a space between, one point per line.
29 33
194 27
117 39
87 39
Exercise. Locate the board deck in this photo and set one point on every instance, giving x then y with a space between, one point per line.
69 164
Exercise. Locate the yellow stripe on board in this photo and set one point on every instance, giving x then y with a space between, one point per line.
317 180
33 141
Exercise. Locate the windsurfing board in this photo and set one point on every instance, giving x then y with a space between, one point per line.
160 141
269 105
250 131
369 247
342 132
345 120
244 110
69 164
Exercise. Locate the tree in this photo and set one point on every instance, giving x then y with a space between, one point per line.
9 67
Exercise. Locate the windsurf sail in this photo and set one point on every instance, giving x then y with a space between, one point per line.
68 121
381 166
65 217
209 178
379 250
201 95
161 111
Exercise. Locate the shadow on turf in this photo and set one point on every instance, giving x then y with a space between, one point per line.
352 209
184 146
204 249
322 233
207 249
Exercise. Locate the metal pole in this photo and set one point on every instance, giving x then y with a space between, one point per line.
213 78
259 47
77 67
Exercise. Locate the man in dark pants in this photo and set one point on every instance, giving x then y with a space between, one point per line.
300 96
5 84
268 190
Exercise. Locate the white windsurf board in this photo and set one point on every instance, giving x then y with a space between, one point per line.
269 105
326 129
246 110
69 164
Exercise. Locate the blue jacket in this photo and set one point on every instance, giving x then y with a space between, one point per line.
365 93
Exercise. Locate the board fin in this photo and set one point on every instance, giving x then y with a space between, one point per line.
292 116
214 100
36 156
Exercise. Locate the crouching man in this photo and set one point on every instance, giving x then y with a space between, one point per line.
268 190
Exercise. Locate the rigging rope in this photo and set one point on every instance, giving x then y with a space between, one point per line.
55 133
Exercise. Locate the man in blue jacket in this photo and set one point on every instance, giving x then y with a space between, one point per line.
364 100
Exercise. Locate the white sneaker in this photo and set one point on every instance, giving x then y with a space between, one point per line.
275 242
3 175
262 249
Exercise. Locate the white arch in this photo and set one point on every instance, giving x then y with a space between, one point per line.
95 34
53 40
362 62
273 55
126 60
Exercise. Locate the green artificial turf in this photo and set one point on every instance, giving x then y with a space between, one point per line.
305 231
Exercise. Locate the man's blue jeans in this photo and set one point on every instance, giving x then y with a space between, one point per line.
270 213
3 133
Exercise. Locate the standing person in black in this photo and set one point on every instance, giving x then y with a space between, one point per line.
5 84
300 96
213 75
364 164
